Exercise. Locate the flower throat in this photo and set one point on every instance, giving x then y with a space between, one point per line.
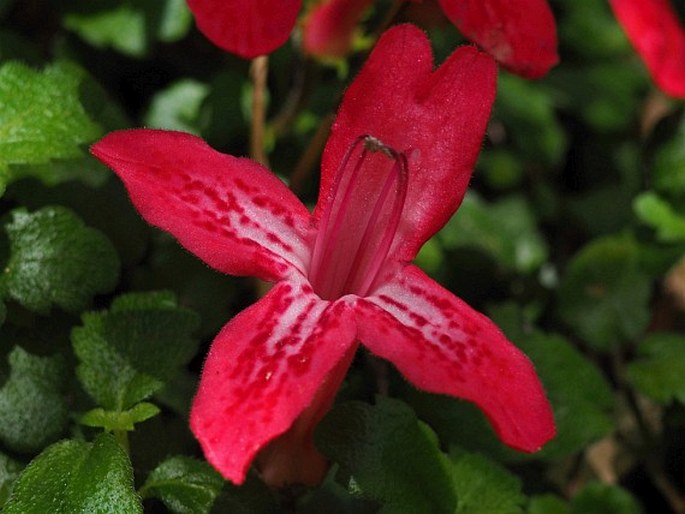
359 223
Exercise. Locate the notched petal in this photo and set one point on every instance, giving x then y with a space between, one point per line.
437 117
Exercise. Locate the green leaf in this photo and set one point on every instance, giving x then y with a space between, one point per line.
114 420
659 214
527 109
175 20
483 487
41 117
390 455
604 295
547 504
127 353
75 476
659 371
121 27
129 26
592 29
9 472
669 163
580 395
185 485
32 409
506 230
55 259
597 498
178 107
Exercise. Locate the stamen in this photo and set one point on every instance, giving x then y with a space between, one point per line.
352 244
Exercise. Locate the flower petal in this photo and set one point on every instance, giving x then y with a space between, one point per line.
232 213
438 117
264 369
658 36
328 29
443 346
246 27
521 34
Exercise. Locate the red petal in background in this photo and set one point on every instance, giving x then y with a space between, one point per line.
655 31
328 28
247 28
521 34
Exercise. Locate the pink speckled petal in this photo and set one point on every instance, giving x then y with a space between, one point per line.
443 346
654 29
521 34
437 117
246 27
264 370
232 213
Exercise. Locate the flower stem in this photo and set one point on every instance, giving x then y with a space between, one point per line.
259 70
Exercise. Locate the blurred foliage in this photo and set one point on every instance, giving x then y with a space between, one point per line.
570 238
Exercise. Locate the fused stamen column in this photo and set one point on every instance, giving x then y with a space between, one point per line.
360 221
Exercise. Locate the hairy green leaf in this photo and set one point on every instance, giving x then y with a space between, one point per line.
127 353
484 487
115 420
41 117
75 476
33 412
185 485
390 455
9 472
57 260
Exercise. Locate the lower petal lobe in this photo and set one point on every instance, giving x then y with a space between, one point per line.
443 346
264 369
232 213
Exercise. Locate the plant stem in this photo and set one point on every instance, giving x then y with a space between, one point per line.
311 155
121 437
259 70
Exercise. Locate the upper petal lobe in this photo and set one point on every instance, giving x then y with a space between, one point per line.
232 213
246 27
438 118
264 369
443 346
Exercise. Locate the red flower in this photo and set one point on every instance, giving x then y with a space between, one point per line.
521 34
658 36
394 170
